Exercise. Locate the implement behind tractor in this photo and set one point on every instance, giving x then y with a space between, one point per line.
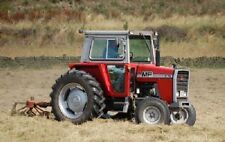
31 108
120 71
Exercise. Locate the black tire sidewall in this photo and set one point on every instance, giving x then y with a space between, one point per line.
191 115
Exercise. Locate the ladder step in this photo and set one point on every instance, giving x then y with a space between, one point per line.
124 105
120 103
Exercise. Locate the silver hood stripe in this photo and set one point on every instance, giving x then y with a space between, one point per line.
156 76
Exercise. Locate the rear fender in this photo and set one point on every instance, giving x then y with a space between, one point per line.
100 73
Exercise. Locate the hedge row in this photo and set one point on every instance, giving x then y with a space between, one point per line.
49 62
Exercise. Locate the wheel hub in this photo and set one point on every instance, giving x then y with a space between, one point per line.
179 116
152 115
77 100
72 100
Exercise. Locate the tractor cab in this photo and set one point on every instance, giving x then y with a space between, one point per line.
120 47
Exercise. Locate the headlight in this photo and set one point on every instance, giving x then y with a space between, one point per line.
177 94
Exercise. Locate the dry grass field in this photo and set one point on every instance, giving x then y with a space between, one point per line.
207 94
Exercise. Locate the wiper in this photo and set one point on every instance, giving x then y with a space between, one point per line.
146 42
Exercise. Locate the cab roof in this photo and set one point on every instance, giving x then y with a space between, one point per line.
121 32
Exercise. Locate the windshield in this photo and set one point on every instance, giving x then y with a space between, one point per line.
139 50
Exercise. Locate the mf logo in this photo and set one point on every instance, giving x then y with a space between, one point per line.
147 74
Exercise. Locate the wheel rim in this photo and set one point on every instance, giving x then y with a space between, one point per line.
72 100
152 115
179 116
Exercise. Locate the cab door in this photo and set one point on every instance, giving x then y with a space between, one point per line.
112 52
119 76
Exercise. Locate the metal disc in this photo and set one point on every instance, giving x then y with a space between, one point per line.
72 100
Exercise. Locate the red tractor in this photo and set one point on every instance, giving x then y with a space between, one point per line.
120 71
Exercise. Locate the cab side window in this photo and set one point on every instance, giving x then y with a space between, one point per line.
106 49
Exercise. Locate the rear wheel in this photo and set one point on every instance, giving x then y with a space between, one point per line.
77 97
183 115
152 111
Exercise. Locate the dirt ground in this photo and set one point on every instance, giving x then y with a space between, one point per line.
207 94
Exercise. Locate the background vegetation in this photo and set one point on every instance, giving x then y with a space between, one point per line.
189 28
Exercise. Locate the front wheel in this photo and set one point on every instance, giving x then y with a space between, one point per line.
183 115
152 111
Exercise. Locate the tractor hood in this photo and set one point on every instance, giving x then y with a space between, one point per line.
159 75
153 71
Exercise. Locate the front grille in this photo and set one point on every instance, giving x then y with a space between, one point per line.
180 86
182 81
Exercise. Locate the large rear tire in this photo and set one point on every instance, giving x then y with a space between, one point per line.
152 111
77 97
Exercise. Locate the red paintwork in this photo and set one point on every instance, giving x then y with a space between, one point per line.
100 72
165 85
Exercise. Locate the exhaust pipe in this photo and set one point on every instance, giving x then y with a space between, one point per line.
157 47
